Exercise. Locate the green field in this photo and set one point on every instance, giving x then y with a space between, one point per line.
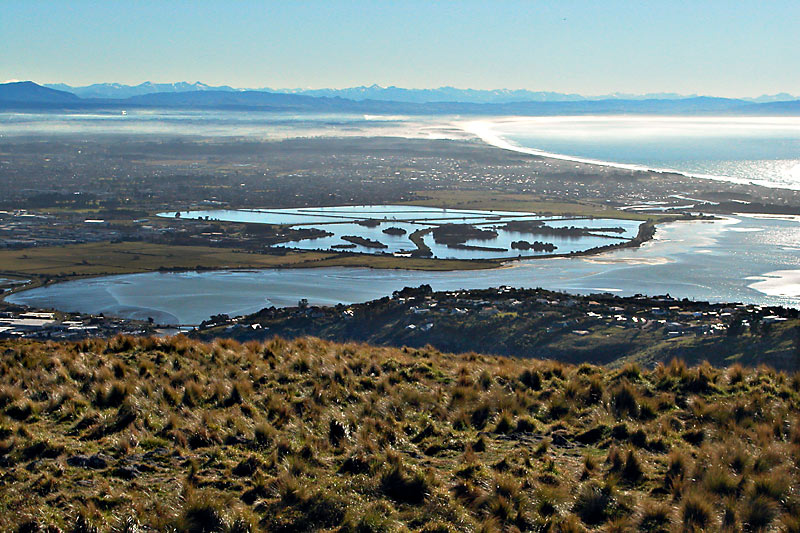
100 259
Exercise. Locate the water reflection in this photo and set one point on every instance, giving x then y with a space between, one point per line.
344 221
696 260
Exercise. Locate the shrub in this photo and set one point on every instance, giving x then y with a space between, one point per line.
263 434
404 487
235 397
541 448
758 512
736 374
647 411
772 486
729 520
678 466
502 509
594 392
9 394
738 460
696 511
615 460
246 467
593 435
698 380
480 417
20 410
355 464
111 396
42 449
593 504
631 371
488 525
30 526
632 471
504 424
620 432
531 379
653 518
624 401
337 432
719 481
558 408
694 437
639 438
201 517
525 425
320 510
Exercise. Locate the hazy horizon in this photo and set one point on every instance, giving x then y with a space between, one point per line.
587 96
573 47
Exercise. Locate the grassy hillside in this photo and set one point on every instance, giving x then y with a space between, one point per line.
176 435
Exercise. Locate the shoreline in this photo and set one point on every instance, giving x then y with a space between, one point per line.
645 234
484 130
780 283
486 137
584 285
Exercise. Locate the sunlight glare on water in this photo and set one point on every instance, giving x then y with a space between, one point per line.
762 150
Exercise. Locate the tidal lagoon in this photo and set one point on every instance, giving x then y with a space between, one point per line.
730 260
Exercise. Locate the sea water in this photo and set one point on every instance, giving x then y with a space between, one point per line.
760 150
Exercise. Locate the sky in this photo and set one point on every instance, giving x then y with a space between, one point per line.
721 48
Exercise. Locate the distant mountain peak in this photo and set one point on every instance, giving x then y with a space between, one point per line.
376 91
119 90
29 92
390 100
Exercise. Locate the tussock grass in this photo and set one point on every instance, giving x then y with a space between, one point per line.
171 434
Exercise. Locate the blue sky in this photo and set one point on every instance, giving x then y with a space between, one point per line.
726 48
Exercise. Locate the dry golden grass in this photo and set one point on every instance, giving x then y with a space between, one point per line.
139 434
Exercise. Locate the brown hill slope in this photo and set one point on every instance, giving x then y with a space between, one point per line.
307 435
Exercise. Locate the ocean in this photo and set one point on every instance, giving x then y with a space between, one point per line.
760 150
749 259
